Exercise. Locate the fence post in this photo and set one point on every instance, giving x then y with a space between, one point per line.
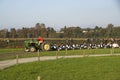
38 78
66 50
17 59
38 55
84 53
73 49
111 51
57 54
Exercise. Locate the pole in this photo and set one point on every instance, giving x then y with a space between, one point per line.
38 55
66 51
57 54
38 78
84 53
17 59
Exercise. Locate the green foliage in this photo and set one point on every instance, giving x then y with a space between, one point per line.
97 68
110 31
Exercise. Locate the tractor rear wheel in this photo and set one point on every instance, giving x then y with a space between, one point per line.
32 49
45 46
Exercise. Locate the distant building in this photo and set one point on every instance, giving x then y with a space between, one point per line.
84 31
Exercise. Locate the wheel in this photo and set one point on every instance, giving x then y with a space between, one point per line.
45 46
32 49
27 50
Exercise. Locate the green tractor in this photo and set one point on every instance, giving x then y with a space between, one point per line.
33 45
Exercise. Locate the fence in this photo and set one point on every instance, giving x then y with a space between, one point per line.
38 56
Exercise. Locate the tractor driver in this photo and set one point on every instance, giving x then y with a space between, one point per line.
40 39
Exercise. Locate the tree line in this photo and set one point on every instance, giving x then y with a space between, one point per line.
40 29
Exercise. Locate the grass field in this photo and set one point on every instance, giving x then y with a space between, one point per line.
96 68
11 53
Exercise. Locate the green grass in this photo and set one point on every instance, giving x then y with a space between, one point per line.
10 50
11 53
96 68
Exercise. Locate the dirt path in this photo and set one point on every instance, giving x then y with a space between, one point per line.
8 63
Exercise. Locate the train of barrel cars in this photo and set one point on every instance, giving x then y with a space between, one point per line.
83 46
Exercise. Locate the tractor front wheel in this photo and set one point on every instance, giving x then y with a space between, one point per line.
32 49
27 50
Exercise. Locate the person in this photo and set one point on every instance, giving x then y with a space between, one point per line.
40 39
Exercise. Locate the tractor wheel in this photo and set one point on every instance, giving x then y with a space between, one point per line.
45 46
27 50
32 49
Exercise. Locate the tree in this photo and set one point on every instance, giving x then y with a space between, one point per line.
13 32
3 33
109 30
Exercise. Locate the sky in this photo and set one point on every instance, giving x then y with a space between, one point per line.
59 13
